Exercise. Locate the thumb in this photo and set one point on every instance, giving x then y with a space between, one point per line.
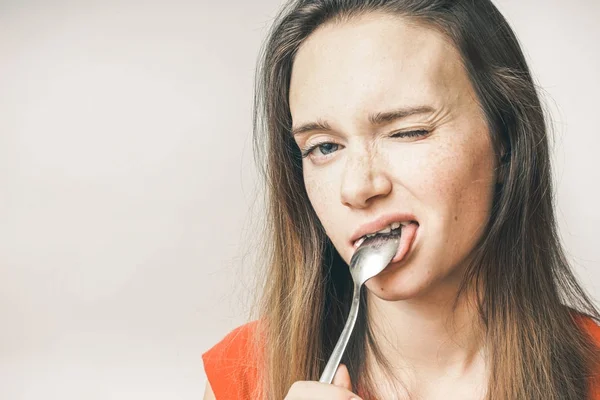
342 378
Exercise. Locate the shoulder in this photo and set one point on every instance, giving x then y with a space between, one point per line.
231 364
590 326
236 343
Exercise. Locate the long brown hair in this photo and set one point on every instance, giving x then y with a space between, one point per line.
528 297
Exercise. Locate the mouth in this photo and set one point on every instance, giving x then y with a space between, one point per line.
406 230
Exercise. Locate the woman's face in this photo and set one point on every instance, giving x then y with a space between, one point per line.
376 162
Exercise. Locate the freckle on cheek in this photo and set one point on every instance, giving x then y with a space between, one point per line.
456 217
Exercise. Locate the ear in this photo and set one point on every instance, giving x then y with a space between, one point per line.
502 168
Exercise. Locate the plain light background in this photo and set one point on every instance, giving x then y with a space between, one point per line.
127 182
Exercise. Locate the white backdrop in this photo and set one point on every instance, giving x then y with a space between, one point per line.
127 179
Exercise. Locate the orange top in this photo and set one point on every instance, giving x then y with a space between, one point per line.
231 368
230 365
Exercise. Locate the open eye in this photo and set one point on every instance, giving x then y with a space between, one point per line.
325 148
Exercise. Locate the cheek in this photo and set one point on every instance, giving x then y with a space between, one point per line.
454 181
471 195
314 189
320 188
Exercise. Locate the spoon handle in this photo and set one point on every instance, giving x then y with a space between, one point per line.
338 351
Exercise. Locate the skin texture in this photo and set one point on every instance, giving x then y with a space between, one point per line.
340 388
377 63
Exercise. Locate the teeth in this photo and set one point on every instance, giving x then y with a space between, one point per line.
387 229
393 225
359 241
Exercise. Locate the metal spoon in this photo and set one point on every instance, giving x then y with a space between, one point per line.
371 257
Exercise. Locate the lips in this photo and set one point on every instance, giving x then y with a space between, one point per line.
409 227
381 223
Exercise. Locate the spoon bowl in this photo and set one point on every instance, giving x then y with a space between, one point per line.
373 255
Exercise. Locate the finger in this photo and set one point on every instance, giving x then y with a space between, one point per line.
342 378
304 390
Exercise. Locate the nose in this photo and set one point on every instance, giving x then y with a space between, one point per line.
363 180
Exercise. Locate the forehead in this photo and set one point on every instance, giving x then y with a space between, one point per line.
372 62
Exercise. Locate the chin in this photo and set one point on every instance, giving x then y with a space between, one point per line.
389 295
394 286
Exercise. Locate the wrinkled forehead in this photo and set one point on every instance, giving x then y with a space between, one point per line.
373 61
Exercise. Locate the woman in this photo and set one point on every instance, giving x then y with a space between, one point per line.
423 113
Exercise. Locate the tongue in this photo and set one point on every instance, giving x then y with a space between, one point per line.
406 239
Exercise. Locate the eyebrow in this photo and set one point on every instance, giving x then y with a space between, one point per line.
375 119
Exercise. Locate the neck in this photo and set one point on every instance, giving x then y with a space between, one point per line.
426 335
